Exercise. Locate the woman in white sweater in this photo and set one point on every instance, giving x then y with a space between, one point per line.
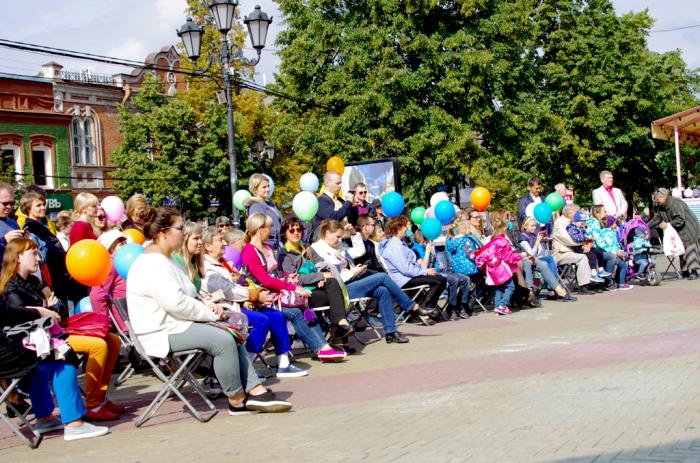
167 314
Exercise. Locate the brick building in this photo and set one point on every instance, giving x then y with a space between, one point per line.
59 130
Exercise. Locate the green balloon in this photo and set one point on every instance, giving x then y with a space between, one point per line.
239 199
305 205
418 215
555 201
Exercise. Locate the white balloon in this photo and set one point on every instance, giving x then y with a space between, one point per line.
530 210
687 193
271 183
309 182
437 197
676 192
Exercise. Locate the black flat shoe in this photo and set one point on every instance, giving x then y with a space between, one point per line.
340 331
395 337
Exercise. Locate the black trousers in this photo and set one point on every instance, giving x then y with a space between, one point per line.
330 295
437 285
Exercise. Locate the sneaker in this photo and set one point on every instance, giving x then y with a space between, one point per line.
267 402
331 355
54 424
240 410
213 388
597 279
502 310
291 372
101 414
604 274
624 287
84 431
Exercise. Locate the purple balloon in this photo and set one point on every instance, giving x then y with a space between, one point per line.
232 255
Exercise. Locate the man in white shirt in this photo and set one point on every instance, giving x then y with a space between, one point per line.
612 198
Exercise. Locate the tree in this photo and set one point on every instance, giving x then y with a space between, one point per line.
559 89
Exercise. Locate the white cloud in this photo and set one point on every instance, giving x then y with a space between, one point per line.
130 48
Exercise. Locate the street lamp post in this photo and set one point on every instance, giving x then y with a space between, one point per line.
223 12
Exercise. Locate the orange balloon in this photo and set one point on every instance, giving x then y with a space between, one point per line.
135 235
88 262
335 164
480 198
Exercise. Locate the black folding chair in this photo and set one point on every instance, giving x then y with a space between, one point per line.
417 294
30 437
181 363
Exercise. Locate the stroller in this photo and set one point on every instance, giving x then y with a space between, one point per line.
650 277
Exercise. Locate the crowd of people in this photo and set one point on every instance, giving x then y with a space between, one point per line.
283 268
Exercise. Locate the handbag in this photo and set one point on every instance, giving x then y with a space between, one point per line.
289 298
87 324
236 325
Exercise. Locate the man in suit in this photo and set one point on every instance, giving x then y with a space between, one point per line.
612 198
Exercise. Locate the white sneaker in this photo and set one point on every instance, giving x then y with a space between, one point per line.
84 431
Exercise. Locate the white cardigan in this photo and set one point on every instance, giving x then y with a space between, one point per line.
617 208
162 301
216 278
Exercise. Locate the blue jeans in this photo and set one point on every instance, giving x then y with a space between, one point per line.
457 283
381 287
503 293
64 379
527 272
622 270
643 264
547 266
609 262
312 337
262 322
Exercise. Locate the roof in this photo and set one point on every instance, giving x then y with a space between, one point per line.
688 123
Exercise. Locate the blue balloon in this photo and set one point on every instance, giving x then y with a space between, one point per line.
392 204
84 305
309 182
444 212
542 213
271 183
431 228
125 256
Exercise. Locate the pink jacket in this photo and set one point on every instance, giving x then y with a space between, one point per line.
497 259
101 297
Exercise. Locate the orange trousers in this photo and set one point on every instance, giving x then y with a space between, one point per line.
102 355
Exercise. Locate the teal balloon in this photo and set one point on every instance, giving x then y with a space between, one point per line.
418 215
431 228
444 212
392 204
305 205
239 199
555 201
271 183
125 256
543 213
84 305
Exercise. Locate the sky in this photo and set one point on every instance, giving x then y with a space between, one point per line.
131 29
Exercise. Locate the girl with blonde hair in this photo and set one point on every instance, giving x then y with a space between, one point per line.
85 205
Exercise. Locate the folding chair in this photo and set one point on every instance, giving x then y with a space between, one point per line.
32 438
183 364
128 346
567 275
671 265
479 292
361 305
416 293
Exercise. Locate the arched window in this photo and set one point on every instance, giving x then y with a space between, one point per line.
11 158
83 141
42 158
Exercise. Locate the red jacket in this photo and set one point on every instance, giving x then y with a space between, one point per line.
257 268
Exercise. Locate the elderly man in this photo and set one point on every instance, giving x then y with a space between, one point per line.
9 230
612 198
563 249
675 211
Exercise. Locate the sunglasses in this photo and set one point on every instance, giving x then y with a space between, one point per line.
100 217
7 203
361 193
224 225
294 230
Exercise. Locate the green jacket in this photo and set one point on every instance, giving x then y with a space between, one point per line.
678 214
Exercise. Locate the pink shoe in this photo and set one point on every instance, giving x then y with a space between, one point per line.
331 355
502 310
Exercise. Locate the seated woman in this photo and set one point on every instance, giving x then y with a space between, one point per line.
531 243
402 266
328 253
476 226
23 301
262 266
167 314
325 290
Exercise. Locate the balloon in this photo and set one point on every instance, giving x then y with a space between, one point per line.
114 208
543 213
392 204
418 215
240 197
88 262
305 205
480 198
431 228
125 256
234 256
309 182
555 201
335 164
437 197
135 235
271 183
444 212
430 213
84 305
530 210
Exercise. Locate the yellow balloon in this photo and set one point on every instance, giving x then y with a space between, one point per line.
335 164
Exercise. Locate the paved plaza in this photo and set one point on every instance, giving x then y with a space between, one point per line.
614 377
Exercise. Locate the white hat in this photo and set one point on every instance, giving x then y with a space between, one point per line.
107 239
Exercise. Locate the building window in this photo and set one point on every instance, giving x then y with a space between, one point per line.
11 167
83 141
42 166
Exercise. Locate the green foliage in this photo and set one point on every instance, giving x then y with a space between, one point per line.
560 89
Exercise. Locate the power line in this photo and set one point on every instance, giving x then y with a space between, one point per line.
691 26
